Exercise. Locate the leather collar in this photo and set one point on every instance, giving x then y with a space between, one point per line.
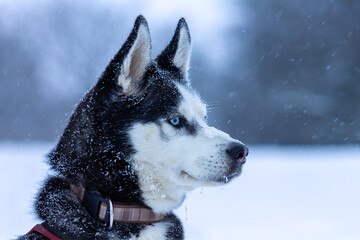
107 211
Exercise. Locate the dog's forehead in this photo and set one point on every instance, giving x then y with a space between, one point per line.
191 104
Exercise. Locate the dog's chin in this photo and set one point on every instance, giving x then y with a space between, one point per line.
189 179
210 180
229 177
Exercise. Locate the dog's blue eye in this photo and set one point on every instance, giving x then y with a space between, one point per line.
175 121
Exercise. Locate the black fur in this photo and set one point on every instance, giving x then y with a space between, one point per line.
94 149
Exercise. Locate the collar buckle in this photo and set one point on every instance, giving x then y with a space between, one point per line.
93 201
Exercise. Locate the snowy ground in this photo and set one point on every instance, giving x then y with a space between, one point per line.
285 193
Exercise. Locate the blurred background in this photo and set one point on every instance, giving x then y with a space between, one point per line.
282 76
278 72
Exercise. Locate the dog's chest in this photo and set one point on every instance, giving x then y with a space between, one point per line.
157 231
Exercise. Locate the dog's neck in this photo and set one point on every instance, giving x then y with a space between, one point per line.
109 212
162 194
162 198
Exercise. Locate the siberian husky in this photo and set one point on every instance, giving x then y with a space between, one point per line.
134 146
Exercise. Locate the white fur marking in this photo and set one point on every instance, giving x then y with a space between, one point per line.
168 167
192 107
156 231
158 182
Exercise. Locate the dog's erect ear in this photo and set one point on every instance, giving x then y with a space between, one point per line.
177 53
136 57
129 65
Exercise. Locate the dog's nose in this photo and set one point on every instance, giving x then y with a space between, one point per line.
238 152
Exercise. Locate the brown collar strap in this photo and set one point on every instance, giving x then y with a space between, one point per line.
107 211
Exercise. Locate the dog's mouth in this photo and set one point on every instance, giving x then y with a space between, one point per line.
187 176
221 178
196 180
190 179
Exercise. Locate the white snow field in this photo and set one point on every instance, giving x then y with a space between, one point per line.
284 193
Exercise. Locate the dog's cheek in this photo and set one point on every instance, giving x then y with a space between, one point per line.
145 138
167 132
153 143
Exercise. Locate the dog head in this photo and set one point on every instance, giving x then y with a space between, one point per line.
143 122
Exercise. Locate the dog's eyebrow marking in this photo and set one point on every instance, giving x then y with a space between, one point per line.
191 106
